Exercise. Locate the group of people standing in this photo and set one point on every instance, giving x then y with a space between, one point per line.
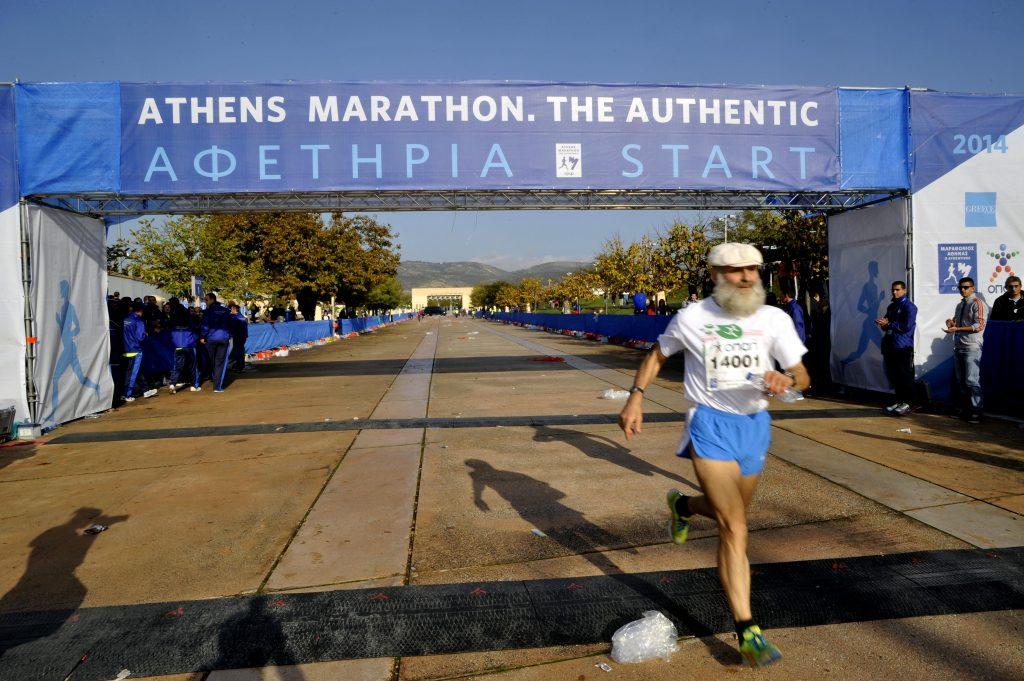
967 326
206 341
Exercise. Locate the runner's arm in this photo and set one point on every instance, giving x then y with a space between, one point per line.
777 382
632 415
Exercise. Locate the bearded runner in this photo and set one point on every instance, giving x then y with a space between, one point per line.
727 340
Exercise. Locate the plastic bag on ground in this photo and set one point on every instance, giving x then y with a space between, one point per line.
612 394
652 636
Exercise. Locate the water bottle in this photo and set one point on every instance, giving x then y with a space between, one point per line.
789 395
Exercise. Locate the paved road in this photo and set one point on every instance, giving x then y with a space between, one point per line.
429 454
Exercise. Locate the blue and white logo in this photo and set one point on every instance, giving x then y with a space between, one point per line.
955 262
980 209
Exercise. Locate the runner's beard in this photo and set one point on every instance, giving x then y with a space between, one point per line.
739 301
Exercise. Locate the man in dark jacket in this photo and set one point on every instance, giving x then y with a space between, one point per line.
184 336
1009 307
239 334
898 348
134 332
791 307
216 336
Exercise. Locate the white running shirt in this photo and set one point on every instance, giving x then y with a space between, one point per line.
722 349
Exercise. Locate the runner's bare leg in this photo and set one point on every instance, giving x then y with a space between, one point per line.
727 494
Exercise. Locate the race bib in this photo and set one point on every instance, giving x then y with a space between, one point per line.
730 356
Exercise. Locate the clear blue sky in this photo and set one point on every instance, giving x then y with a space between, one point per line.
944 45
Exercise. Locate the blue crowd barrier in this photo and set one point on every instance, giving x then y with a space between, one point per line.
1002 367
274 335
626 327
158 349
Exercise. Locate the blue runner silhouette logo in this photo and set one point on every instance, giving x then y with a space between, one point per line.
69 326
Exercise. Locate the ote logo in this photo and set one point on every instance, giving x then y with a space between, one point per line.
979 209
1002 264
568 160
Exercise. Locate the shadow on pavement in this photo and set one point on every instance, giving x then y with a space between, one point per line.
605 449
541 505
388 367
16 451
49 580
254 638
954 452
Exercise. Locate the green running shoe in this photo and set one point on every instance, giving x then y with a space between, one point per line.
680 525
758 651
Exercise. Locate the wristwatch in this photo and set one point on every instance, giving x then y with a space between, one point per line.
636 389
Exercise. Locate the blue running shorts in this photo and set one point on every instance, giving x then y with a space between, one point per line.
721 436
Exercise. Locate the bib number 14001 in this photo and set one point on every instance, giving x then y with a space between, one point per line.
736 362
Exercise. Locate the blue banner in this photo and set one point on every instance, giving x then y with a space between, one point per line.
8 166
615 326
949 129
206 138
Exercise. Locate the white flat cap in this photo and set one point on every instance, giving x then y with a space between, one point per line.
734 255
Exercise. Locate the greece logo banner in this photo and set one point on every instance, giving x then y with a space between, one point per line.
979 209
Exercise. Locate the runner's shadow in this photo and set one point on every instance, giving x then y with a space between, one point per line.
16 451
541 505
49 581
606 449
254 639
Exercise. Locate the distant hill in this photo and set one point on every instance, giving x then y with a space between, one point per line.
421 274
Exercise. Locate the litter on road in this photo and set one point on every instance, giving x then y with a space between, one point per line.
644 639
612 394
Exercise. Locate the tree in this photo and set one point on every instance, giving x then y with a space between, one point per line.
680 257
576 285
169 256
507 295
386 295
485 295
531 292
799 242
119 255
366 254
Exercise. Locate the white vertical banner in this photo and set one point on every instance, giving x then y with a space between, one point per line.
69 285
867 251
12 314
967 223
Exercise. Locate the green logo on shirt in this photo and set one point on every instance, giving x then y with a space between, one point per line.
729 331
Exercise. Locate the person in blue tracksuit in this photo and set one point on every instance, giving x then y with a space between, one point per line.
184 336
134 332
216 336
793 309
239 334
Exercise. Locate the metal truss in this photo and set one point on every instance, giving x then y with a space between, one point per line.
497 199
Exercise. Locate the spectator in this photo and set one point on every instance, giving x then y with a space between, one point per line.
793 309
1009 307
289 315
216 336
821 342
239 334
640 303
898 348
968 326
134 331
662 307
186 363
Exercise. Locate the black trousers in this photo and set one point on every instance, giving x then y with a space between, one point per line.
237 361
899 369
218 353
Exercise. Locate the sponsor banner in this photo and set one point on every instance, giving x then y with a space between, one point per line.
8 167
968 222
69 284
955 262
867 252
179 138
